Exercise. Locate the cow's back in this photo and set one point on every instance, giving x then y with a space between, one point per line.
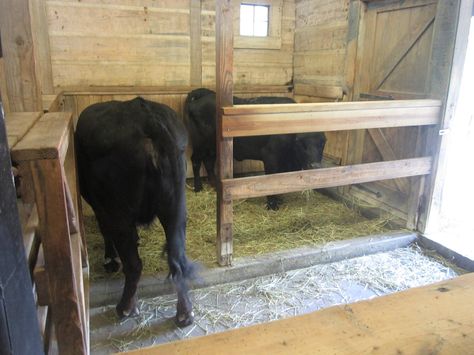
127 153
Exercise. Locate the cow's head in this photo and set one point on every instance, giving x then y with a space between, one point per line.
309 149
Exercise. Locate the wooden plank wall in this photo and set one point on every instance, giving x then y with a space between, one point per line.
152 43
320 42
320 57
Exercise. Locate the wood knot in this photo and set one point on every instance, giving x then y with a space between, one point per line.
19 41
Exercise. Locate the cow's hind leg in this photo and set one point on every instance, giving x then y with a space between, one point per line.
111 259
123 235
196 159
209 163
127 247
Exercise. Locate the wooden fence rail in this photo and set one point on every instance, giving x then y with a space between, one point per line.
257 120
253 120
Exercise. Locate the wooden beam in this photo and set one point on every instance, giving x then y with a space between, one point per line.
355 7
224 97
53 103
434 319
387 153
453 21
48 138
64 293
329 92
18 124
23 88
164 90
265 185
195 43
3 88
254 120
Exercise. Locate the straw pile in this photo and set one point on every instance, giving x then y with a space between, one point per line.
307 218
273 297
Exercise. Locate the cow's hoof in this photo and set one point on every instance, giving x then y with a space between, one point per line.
126 313
111 266
197 188
185 319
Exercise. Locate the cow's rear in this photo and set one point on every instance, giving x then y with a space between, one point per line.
131 167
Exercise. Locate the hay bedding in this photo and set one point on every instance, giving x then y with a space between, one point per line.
271 297
307 218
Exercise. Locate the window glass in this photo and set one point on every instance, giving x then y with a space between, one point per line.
254 20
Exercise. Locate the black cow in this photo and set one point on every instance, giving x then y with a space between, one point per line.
131 166
279 153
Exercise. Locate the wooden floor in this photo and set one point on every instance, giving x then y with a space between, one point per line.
435 319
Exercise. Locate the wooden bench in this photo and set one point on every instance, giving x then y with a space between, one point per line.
435 319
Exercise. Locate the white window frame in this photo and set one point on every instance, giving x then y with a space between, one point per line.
273 40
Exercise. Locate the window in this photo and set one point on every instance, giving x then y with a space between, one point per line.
254 20
257 24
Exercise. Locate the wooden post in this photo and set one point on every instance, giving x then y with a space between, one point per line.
224 93
45 149
451 33
59 256
23 89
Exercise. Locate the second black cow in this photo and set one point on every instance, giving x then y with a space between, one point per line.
279 153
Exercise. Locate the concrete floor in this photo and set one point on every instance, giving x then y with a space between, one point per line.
267 298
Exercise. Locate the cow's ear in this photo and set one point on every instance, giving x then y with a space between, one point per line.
150 151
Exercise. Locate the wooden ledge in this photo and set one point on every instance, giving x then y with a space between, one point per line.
47 139
435 319
18 124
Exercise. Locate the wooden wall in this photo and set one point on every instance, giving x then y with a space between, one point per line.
154 43
320 57
320 42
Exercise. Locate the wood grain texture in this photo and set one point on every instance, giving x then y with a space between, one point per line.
48 139
64 293
387 153
248 120
224 97
264 185
401 323
3 88
23 89
330 92
18 124
42 54
452 26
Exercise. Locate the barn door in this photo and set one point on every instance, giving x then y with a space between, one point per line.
393 56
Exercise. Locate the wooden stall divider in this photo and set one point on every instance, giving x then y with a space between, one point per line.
60 284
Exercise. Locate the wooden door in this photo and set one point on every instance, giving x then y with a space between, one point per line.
393 56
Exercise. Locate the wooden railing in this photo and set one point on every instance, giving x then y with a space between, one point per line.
45 156
252 120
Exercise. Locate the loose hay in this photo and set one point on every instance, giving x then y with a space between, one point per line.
277 296
307 218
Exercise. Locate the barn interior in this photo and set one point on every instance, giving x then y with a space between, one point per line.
379 77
